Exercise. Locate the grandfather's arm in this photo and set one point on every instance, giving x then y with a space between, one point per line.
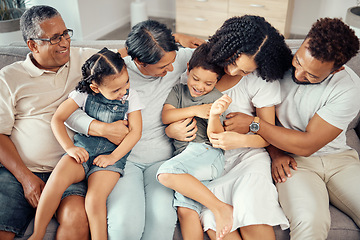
10 158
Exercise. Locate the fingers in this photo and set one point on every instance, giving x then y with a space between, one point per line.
293 163
81 155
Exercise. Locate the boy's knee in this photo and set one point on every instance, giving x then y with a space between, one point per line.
186 213
165 178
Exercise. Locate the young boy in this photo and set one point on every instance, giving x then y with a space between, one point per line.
196 163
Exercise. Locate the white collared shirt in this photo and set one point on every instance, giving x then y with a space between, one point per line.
29 97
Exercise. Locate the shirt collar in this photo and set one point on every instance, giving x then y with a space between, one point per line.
34 71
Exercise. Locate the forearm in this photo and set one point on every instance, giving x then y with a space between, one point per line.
61 134
80 122
176 114
255 141
293 141
10 158
127 144
214 125
274 152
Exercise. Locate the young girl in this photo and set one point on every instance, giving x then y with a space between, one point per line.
104 94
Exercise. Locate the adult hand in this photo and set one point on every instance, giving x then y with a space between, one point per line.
227 140
188 41
78 153
184 130
32 186
280 167
237 122
115 132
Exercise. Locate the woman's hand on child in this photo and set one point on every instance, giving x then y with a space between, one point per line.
104 160
227 140
78 153
220 105
183 130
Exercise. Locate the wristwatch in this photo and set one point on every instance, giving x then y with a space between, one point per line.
255 125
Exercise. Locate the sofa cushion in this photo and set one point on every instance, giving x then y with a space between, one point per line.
9 55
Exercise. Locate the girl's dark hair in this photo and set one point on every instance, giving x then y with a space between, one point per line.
148 41
200 59
97 67
331 40
253 36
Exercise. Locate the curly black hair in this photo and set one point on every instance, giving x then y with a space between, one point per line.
253 36
331 40
100 65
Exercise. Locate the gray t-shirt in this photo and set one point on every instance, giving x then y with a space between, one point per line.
180 97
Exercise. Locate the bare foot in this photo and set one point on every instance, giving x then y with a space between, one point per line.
224 220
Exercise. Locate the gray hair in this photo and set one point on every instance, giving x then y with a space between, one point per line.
32 18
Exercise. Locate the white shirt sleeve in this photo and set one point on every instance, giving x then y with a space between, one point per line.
134 102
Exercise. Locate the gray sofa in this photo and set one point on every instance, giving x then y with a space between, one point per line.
342 227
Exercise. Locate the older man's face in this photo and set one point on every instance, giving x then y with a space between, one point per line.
52 57
309 70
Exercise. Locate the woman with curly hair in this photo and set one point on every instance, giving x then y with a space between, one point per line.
254 56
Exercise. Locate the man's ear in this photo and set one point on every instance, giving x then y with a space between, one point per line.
139 63
94 87
33 46
187 70
338 70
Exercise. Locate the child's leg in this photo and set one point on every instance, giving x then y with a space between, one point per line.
66 172
190 224
191 187
100 185
235 235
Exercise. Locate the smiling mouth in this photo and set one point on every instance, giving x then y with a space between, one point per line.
197 92
64 51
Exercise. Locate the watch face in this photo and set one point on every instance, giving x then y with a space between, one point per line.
254 127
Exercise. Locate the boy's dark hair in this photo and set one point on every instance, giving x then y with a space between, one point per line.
200 59
149 40
32 18
331 40
97 67
253 36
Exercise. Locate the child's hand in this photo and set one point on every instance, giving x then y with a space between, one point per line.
104 160
203 111
78 153
220 105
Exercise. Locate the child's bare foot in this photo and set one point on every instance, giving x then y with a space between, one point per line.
224 220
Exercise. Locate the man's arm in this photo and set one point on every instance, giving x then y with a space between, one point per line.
80 122
187 40
10 158
318 133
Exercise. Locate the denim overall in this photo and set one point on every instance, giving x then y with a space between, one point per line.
104 110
